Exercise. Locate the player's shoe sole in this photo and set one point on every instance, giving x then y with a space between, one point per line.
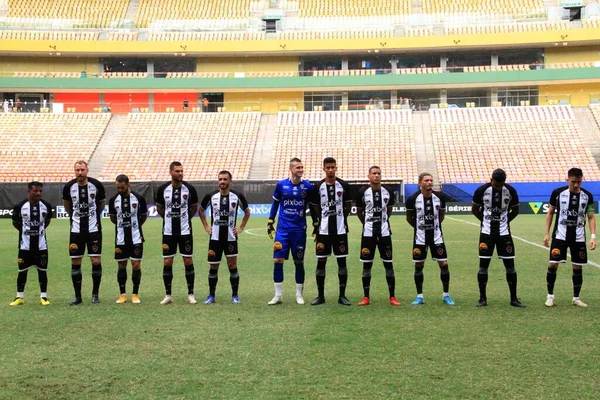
122 299
44 301
18 301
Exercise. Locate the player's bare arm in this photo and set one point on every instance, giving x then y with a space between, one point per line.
592 224
113 219
410 217
143 219
513 212
239 229
476 211
549 216
68 207
193 208
202 215
160 210
442 215
360 213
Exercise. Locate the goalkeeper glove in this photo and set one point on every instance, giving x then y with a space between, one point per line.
315 231
270 228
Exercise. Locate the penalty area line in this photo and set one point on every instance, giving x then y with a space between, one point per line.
249 232
521 239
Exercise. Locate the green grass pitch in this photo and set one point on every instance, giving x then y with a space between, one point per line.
252 351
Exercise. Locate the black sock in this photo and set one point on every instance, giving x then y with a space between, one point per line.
122 279
366 277
551 279
482 276
96 278
213 278
234 279
136 278
168 279
577 281
190 275
445 278
390 278
320 276
21 280
43 280
419 278
76 277
511 277
342 275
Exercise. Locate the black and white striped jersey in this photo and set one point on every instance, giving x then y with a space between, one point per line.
86 200
495 206
128 210
224 213
428 228
32 219
331 200
176 203
375 204
571 210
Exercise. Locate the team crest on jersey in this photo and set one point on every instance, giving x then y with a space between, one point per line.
185 196
165 247
555 252
92 196
483 246
137 251
339 193
342 248
233 204
43 261
582 254
134 205
230 248
211 254
440 251
365 251
73 247
385 200
416 252
118 251
94 248
388 253
20 261
303 194
277 246
188 248
437 207
300 254
320 247
509 249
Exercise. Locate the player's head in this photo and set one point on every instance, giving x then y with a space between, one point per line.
296 168
224 178
375 175
498 178
122 183
425 182
330 167
34 191
574 178
176 171
81 171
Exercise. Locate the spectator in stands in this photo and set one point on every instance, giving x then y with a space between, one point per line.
205 104
571 204
186 104
496 204
5 106
19 105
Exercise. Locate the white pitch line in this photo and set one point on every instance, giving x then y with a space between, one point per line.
521 239
249 232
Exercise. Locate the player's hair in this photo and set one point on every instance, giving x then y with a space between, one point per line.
174 164
329 160
225 172
34 183
373 167
575 172
122 178
294 160
80 162
423 175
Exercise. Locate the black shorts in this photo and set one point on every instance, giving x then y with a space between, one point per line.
505 245
170 243
216 248
28 259
325 243
558 252
438 252
78 242
123 252
368 245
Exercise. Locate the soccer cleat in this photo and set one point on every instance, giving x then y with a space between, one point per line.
122 299
76 301
235 299
318 300
44 301
394 302
192 299
549 301
448 300
579 303
18 301
299 299
275 300
344 301
517 303
482 302
167 300
209 300
418 301
135 299
364 302
95 299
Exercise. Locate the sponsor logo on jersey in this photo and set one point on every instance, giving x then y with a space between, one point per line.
277 246
365 251
416 252
73 247
118 251
483 247
211 254
165 247
320 247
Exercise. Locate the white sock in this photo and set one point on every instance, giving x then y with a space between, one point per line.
299 289
444 294
550 296
43 294
420 295
21 294
575 298
278 288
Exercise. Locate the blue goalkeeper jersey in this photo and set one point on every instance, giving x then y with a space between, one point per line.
293 200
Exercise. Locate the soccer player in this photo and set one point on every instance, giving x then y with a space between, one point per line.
128 212
333 201
224 232
425 211
84 200
290 197
31 217
374 204
496 204
177 203
572 204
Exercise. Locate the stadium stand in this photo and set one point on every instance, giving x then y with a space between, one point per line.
204 143
529 8
44 146
320 8
357 139
153 10
595 108
532 144
47 35
205 36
